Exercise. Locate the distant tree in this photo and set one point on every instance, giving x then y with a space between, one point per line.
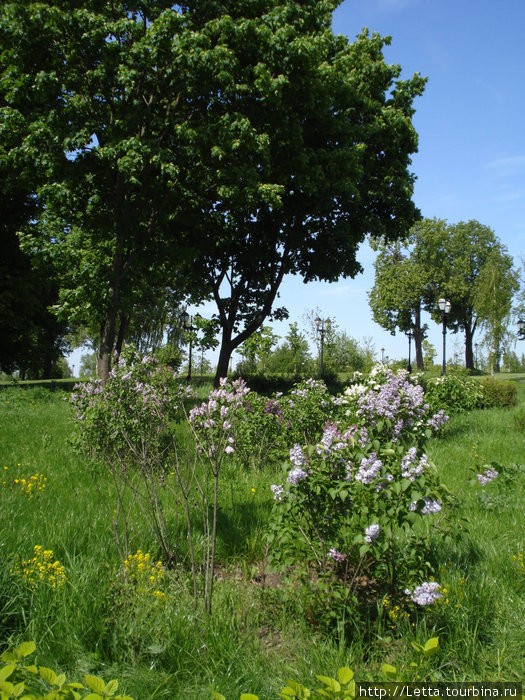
292 356
88 365
429 354
466 259
498 282
256 350
403 286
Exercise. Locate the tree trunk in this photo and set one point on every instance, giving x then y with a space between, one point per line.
469 355
227 347
419 335
107 343
122 330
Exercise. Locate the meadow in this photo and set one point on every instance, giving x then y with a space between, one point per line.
86 620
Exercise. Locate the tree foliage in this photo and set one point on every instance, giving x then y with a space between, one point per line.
212 148
465 263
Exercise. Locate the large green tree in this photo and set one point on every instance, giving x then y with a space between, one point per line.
212 146
94 89
304 147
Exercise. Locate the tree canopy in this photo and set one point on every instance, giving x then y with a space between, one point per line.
465 263
211 148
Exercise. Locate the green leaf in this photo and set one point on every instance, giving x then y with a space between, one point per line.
6 672
7 687
248 696
94 683
389 671
344 675
431 646
217 695
61 679
330 683
48 675
112 687
25 649
30 669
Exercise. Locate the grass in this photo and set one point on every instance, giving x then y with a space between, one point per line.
258 636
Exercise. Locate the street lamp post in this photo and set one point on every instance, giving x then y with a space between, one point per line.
521 330
322 325
187 324
444 307
409 335
382 355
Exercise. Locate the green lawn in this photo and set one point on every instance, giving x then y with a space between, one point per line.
257 637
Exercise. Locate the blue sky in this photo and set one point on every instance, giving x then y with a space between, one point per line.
471 126
470 121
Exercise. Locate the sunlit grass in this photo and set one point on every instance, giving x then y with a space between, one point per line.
258 636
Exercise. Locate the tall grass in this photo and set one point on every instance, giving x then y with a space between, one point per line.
258 636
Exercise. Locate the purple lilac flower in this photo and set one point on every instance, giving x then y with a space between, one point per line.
296 475
372 533
297 456
278 492
369 469
335 555
363 437
487 476
425 594
437 420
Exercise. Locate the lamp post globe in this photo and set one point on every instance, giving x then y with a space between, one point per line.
445 307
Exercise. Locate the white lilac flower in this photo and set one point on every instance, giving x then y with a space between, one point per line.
297 456
412 472
413 506
372 533
425 594
369 469
296 475
335 555
487 476
229 449
278 492
430 506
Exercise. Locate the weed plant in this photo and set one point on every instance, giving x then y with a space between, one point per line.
258 637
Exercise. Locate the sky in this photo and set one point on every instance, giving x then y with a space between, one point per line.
471 127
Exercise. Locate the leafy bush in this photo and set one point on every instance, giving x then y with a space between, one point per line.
454 393
345 684
44 684
498 393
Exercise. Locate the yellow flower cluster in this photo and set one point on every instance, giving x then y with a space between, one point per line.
41 569
396 613
28 485
146 574
31 484
518 558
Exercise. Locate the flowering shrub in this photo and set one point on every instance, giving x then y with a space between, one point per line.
41 569
130 413
350 503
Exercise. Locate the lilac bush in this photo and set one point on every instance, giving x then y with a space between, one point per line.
359 501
